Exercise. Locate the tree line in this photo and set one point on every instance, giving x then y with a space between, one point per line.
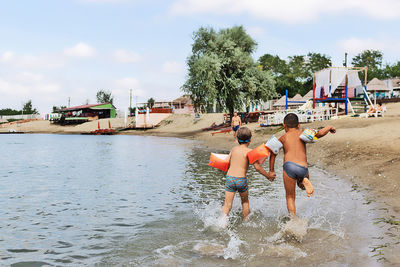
222 72
27 108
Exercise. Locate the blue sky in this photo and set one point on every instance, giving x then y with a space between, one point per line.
52 50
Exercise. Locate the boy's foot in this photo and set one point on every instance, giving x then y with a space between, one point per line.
300 184
309 187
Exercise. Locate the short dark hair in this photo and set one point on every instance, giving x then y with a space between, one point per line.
243 135
291 120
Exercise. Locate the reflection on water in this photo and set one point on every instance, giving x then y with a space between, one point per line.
148 201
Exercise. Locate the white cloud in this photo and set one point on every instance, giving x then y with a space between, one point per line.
106 1
7 56
80 50
124 56
356 45
290 11
16 89
129 83
172 67
31 61
256 32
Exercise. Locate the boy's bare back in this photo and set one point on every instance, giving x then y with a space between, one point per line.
294 147
239 162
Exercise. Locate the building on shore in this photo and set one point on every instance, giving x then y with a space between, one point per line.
84 113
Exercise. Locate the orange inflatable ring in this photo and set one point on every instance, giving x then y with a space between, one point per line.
259 154
219 161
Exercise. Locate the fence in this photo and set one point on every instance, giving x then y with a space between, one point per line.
317 114
21 117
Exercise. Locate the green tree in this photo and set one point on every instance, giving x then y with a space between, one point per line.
104 96
391 71
221 69
9 112
298 67
57 109
274 64
295 75
27 108
372 59
316 62
150 102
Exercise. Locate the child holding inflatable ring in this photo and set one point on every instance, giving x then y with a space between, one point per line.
236 176
295 167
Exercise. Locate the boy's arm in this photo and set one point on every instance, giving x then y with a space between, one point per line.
324 131
272 164
270 176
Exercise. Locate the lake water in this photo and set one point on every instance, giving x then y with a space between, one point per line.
150 201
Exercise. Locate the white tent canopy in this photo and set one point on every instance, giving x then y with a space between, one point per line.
332 77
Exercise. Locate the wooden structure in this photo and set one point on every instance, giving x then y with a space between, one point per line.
331 85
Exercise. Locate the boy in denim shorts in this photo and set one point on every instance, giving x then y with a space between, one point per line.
236 176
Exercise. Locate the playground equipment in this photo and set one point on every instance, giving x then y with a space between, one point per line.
340 85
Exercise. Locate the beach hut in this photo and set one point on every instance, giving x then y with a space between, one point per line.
394 85
296 98
281 102
376 85
308 96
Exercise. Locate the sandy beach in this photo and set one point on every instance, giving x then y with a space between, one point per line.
365 151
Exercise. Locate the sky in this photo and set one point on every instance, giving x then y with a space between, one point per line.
51 51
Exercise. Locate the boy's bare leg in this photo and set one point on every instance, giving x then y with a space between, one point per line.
290 188
245 204
229 196
309 187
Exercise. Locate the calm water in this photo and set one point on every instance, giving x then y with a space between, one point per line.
151 201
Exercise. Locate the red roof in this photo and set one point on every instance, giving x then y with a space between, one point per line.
83 107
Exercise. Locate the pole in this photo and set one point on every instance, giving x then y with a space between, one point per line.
130 100
286 99
69 101
345 111
313 92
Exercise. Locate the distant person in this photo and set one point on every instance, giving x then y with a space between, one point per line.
236 123
236 176
371 110
295 168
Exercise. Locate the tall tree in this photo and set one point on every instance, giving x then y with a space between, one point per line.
316 62
104 96
27 108
391 71
221 69
368 58
296 74
150 102
372 59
